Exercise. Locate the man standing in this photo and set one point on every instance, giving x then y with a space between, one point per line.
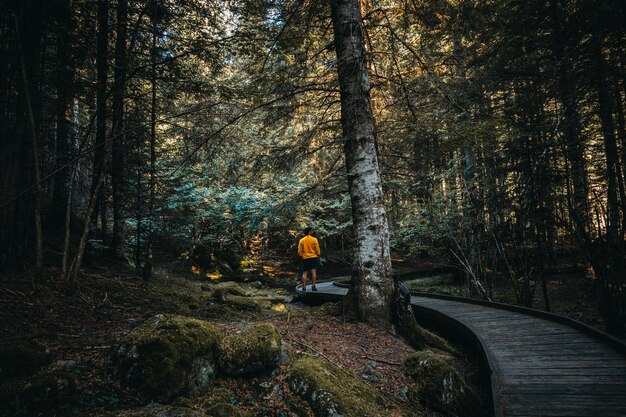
309 251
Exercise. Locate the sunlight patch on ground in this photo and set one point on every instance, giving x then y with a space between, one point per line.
279 307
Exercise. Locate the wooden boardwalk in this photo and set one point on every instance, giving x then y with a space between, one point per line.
540 364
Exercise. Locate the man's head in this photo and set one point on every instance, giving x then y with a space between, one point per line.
308 231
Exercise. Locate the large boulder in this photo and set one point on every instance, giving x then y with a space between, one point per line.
332 391
255 350
438 382
167 356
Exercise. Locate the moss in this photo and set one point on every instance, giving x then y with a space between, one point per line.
223 289
298 406
158 410
438 381
332 391
21 360
168 355
256 350
242 303
222 410
287 354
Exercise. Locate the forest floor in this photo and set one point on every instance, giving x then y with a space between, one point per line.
77 325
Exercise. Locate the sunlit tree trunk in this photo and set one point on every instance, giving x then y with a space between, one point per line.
372 266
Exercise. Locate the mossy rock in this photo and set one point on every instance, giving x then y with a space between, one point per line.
222 410
333 391
21 360
255 350
438 382
217 403
241 303
223 289
159 410
167 356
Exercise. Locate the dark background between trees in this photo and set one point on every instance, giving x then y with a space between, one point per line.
138 130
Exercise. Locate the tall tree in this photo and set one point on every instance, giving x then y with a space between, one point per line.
371 271
118 140
102 58
64 84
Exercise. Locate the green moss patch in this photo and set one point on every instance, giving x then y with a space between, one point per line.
333 391
243 303
256 350
223 289
168 355
438 382
158 410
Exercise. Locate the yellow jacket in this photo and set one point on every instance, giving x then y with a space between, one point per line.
308 247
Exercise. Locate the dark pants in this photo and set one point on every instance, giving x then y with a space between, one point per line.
309 263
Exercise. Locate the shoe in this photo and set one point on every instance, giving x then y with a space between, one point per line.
303 289
313 288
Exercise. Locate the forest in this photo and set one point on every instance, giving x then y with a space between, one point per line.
160 159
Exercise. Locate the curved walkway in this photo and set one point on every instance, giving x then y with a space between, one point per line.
541 364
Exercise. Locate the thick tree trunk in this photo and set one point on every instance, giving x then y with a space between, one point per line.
372 273
117 154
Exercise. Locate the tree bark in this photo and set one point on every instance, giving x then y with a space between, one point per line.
147 269
101 109
33 128
615 242
117 154
65 79
371 272
573 143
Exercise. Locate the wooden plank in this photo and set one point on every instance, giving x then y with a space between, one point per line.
559 379
548 350
563 371
531 362
565 389
587 347
544 368
564 337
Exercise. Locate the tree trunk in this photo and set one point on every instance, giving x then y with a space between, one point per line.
33 128
65 79
101 110
147 270
117 154
371 272
615 242
573 143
